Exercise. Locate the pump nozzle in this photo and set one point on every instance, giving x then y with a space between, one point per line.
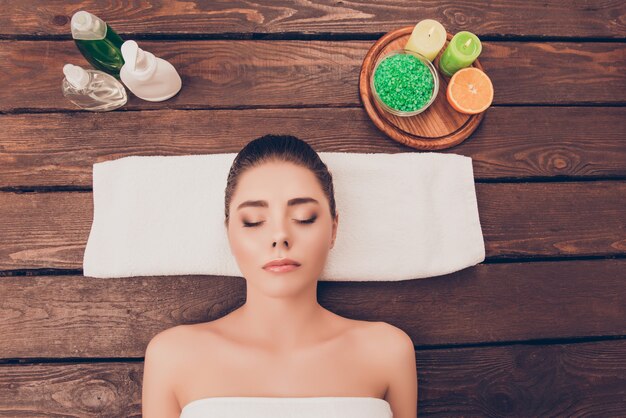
138 60
129 52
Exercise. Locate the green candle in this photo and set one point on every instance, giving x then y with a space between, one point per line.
462 51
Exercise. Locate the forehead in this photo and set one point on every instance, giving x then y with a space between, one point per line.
277 180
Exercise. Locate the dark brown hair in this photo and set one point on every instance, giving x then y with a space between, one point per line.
285 148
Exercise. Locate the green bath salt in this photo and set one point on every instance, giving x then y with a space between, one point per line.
403 82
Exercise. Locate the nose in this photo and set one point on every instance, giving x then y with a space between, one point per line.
284 241
280 236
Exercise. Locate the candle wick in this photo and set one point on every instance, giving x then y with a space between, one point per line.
430 32
467 43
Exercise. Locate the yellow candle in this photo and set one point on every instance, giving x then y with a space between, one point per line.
427 38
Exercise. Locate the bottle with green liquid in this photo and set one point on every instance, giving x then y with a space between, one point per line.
98 43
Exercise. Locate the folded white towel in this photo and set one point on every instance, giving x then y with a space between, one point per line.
401 216
275 407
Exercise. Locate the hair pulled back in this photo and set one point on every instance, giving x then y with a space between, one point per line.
281 148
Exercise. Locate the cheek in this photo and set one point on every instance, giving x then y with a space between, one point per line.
317 240
243 246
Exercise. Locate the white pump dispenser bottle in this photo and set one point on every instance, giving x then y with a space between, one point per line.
146 76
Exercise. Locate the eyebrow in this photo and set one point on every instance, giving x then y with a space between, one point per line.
290 202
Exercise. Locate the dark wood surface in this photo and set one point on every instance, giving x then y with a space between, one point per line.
536 330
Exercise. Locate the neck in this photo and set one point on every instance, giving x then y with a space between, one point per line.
283 323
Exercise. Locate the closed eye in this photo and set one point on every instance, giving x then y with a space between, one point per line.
253 224
249 224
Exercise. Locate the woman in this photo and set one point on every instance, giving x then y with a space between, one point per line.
280 353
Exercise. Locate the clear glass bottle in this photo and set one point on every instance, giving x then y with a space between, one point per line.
92 89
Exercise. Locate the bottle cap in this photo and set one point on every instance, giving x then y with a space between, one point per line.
87 26
76 76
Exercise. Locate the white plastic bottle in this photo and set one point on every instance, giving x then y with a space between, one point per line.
92 89
148 77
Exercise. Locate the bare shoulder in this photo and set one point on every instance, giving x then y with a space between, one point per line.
397 346
174 345
165 343
164 351
387 338
162 359
396 352
385 346
396 339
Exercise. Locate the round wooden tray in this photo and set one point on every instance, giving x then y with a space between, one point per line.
439 126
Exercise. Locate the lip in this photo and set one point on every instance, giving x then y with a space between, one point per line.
281 265
282 269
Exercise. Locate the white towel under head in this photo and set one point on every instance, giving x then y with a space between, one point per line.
401 216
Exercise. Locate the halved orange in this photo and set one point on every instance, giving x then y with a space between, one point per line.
470 91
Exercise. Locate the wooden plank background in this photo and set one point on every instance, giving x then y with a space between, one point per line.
536 330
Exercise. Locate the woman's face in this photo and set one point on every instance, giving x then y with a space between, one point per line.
263 227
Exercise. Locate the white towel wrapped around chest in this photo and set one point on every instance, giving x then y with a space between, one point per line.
401 216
